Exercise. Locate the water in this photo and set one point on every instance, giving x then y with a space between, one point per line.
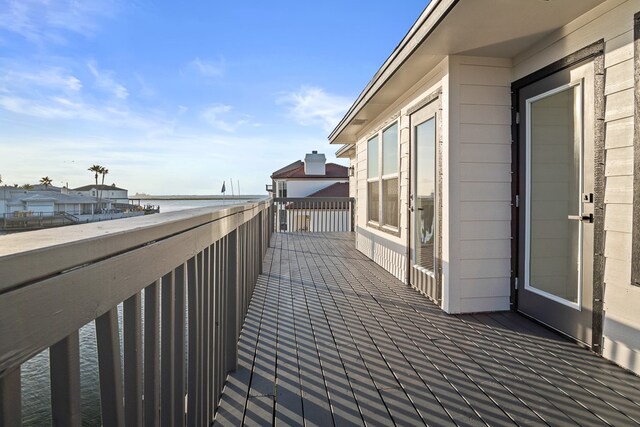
36 386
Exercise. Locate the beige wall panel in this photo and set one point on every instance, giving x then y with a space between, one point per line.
484 75
619 105
619 189
471 305
485 114
619 77
484 268
618 246
485 191
608 22
485 133
485 249
618 49
485 172
481 230
617 273
618 218
479 288
485 211
485 153
485 95
619 162
619 133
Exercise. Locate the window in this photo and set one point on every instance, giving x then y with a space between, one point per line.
282 189
382 178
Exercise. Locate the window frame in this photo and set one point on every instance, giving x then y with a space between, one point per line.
382 177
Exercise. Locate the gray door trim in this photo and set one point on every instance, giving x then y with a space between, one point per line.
635 236
595 53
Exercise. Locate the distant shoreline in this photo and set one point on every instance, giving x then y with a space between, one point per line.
196 197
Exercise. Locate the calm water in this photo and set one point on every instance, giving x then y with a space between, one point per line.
35 373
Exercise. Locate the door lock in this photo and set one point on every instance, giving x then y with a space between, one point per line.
584 218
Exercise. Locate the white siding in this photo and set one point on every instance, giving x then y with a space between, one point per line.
480 186
614 22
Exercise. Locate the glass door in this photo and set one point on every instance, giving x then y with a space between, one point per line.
424 201
556 191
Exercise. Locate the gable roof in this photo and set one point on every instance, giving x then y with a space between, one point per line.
339 189
98 187
332 171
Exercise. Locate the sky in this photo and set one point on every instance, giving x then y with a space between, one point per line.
177 97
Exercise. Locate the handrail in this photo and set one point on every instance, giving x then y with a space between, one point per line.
314 214
196 267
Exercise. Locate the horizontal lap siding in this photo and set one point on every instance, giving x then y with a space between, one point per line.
484 162
613 22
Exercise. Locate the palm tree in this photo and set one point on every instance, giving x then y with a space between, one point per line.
96 169
46 181
103 171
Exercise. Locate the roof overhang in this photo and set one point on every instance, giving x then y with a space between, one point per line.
490 28
346 151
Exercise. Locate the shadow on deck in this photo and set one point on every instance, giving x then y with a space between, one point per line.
332 339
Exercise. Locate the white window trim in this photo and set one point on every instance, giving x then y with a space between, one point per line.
382 177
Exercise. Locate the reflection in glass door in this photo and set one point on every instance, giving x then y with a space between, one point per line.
425 180
555 188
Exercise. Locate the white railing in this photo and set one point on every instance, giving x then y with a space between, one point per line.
313 214
184 279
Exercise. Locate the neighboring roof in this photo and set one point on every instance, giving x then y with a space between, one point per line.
99 187
52 196
332 171
288 168
489 28
339 189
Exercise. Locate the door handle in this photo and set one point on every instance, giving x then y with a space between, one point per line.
585 218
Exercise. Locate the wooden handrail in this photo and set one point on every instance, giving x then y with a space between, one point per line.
201 261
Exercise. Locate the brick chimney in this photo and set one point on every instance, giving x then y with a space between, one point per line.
315 164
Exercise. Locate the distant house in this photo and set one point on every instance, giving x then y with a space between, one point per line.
307 178
319 211
496 164
109 192
44 202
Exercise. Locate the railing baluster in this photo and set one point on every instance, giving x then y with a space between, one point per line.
212 331
194 341
179 383
111 389
232 329
167 355
206 333
64 371
152 355
132 329
11 399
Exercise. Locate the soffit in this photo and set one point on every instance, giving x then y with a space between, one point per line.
491 28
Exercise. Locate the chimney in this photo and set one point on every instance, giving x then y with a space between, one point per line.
314 164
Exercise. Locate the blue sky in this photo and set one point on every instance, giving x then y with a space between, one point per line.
175 97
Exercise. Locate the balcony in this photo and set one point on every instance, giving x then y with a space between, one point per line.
310 331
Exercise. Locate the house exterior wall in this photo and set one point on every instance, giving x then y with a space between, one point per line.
386 249
304 187
613 22
479 207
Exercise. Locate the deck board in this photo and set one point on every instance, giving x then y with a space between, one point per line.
333 339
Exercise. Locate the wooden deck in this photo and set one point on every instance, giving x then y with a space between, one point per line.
333 339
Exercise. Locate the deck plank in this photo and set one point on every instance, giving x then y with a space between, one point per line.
333 339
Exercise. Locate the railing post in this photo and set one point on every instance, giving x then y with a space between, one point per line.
195 327
111 389
132 329
233 327
179 346
11 399
64 372
152 355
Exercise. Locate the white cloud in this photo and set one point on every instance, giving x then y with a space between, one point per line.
209 68
52 78
313 106
223 117
46 21
106 82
